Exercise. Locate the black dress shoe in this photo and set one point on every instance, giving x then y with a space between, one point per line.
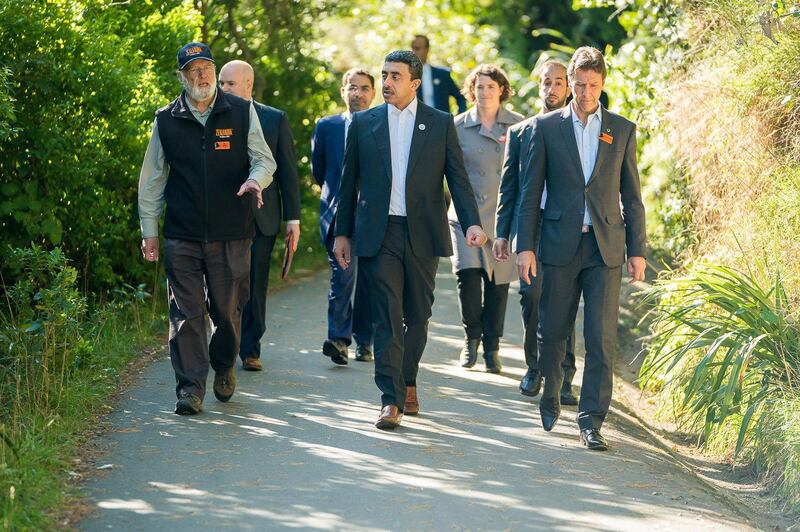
549 409
593 440
531 383
492 359
469 355
336 350
567 397
363 353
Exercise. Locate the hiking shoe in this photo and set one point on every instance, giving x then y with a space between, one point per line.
188 404
224 384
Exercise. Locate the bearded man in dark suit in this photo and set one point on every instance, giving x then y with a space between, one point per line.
392 205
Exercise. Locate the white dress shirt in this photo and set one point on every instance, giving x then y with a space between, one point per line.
427 85
588 139
348 119
401 130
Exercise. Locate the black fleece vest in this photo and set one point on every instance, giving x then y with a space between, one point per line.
207 165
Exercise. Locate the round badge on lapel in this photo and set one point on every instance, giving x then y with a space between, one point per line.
421 127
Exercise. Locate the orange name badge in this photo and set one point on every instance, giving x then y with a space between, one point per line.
605 137
222 145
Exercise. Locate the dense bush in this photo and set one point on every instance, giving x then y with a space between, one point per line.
82 97
723 355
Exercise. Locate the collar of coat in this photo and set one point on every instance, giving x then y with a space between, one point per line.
503 117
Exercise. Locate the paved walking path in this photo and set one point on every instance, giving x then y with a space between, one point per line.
296 448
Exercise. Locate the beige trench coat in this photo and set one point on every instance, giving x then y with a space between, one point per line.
483 157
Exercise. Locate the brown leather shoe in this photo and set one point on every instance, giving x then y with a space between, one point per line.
390 418
411 406
252 364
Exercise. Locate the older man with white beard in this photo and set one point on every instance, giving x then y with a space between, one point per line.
208 161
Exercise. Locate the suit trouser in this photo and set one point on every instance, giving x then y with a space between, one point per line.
204 276
348 316
401 289
482 319
254 316
530 295
586 274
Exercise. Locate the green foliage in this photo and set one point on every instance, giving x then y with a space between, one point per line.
727 341
7 131
83 100
58 362
526 27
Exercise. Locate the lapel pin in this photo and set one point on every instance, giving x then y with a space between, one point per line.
421 127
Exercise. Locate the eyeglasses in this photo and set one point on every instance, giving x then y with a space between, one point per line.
196 71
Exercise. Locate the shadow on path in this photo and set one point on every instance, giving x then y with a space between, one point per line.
296 448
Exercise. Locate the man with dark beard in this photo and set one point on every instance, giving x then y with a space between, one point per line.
391 203
208 161
553 93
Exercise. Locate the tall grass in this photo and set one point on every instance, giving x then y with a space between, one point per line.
60 359
728 341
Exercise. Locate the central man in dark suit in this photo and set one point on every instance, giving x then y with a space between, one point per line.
392 204
593 217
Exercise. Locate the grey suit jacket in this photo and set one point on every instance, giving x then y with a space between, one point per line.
518 141
614 183
366 187
483 158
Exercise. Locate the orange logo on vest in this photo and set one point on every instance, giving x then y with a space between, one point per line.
225 132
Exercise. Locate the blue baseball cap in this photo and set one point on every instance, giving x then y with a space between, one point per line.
192 51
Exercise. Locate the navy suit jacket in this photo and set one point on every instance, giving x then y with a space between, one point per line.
327 159
283 194
366 188
443 88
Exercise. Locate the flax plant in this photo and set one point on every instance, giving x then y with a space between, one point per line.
729 341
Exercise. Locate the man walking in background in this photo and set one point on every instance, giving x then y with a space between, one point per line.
553 93
437 85
586 156
346 320
392 206
282 196
205 158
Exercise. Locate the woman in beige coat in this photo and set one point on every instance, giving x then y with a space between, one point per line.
482 282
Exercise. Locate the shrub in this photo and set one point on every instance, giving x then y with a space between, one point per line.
728 342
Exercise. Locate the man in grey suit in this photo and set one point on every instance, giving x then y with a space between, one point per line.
391 202
587 158
553 92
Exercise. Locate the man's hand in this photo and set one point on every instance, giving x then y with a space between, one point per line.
341 250
500 249
150 248
251 186
475 236
526 264
292 236
636 267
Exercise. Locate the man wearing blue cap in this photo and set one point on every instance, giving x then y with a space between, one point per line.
208 161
